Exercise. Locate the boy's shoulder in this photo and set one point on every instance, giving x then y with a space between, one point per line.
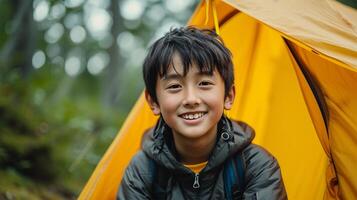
258 160
263 174
138 170
139 162
257 152
136 182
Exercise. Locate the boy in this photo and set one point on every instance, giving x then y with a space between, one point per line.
189 82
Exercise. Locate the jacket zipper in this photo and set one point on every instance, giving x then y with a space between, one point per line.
196 183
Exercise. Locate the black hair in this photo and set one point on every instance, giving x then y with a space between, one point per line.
201 47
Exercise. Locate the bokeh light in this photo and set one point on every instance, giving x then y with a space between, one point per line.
155 13
98 22
72 66
177 6
132 9
38 59
77 34
98 62
54 33
73 3
58 11
41 10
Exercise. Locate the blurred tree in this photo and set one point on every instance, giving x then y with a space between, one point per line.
112 72
18 49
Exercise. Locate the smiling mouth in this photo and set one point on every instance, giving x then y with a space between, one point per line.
193 116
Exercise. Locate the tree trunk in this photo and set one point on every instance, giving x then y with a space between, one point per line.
17 51
111 75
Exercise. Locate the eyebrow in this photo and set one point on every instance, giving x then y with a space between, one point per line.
179 76
171 76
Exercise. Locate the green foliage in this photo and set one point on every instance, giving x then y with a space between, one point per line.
53 142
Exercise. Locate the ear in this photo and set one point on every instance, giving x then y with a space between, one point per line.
153 105
229 99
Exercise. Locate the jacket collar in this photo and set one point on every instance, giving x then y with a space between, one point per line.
232 137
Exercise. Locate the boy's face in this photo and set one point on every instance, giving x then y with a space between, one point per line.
193 104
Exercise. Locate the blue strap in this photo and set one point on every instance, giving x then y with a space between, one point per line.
153 172
229 179
234 177
240 171
238 189
158 180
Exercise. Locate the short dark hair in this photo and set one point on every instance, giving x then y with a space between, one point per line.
202 47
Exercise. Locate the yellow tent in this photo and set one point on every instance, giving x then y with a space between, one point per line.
295 68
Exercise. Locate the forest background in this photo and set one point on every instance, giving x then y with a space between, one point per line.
70 71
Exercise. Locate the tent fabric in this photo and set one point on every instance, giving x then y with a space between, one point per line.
338 85
274 66
326 26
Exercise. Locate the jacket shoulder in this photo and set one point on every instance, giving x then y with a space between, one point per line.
263 174
256 157
140 165
136 182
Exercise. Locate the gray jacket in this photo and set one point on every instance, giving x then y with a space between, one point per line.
263 179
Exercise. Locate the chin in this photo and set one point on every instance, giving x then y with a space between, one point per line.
193 133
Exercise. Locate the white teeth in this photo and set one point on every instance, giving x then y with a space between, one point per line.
192 116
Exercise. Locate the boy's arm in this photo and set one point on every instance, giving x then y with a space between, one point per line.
136 181
263 176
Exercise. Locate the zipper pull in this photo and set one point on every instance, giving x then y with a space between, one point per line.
196 184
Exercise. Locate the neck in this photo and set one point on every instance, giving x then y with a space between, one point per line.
195 150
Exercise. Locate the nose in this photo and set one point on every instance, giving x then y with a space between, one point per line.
191 97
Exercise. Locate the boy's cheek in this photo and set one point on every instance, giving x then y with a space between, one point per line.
168 106
168 100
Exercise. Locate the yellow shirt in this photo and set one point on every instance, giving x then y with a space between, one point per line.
197 167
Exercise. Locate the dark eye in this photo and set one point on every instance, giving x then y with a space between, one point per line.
174 87
205 83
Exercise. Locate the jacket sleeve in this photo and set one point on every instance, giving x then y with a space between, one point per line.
136 182
263 175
